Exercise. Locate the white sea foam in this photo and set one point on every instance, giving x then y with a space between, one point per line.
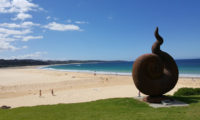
190 75
112 73
89 71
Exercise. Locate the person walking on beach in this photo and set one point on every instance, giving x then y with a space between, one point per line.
40 93
52 92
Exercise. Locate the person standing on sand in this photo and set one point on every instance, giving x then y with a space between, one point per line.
95 73
139 94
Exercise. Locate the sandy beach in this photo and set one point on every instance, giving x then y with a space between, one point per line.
30 86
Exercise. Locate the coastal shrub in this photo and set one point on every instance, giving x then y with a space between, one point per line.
187 92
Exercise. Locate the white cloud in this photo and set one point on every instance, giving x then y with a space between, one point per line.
36 55
5 42
14 32
10 32
22 25
5 5
24 5
62 27
17 6
29 24
81 22
6 46
22 16
9 25
6 38
20 7
27 38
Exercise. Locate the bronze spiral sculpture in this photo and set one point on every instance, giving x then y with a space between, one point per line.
156 73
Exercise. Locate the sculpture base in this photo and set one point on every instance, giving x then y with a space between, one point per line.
156 99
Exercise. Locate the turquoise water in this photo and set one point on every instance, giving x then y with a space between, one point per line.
190 68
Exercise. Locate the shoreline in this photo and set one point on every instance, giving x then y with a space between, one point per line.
42 67
111 73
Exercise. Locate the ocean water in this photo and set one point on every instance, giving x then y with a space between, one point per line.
187 68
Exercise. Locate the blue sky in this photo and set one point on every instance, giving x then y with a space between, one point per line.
97 29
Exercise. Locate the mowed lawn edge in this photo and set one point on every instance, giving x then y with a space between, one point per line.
107 109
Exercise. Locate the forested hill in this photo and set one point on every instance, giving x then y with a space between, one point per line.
29 62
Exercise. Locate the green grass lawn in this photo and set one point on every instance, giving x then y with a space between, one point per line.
109 109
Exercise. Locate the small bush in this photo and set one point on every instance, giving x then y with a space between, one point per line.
187 92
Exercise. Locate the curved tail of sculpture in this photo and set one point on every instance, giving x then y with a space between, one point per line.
158 43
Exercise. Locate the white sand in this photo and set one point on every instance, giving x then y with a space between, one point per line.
20 86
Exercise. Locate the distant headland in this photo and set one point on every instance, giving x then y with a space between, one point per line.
31 62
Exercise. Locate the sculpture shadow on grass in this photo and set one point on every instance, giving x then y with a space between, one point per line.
188 99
